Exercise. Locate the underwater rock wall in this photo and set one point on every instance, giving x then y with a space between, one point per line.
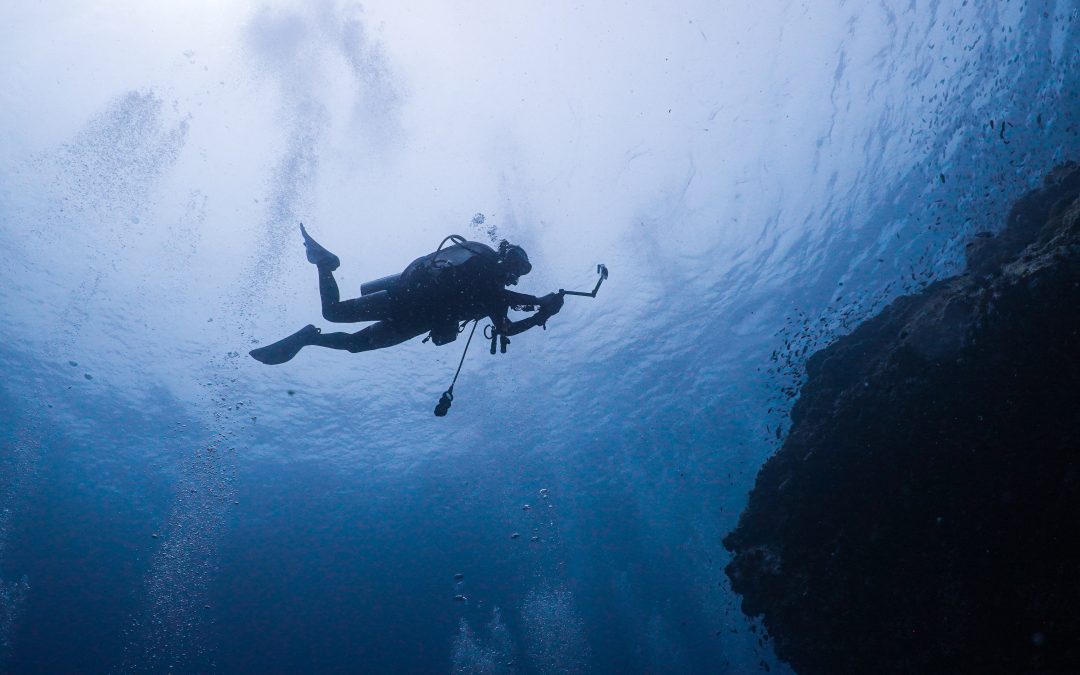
924 511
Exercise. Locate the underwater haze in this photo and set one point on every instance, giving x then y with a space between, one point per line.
759 177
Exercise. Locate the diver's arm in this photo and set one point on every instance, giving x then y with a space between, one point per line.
549 305
508 327
513 298
502 322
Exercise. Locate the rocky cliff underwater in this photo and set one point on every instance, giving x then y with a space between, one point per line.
921 515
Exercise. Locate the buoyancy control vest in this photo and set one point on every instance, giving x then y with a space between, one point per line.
454 280
437 271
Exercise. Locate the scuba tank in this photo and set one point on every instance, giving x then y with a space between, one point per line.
387 283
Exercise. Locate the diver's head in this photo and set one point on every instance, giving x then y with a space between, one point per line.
514 262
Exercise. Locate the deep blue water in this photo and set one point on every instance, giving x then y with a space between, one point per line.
759 177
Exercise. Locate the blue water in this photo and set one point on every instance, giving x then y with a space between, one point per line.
759 177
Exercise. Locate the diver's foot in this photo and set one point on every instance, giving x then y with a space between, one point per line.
317 254
283 350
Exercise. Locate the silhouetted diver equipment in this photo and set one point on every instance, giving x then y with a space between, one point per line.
601 269
496 336
457 239
447 398
443 406
502 340
380 284
391 282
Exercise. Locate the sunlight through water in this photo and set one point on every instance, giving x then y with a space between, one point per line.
759 177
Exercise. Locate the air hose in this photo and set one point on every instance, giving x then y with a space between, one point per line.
443 406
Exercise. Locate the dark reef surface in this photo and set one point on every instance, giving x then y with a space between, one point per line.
923 514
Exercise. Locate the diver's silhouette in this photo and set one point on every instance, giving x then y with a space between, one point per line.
435 294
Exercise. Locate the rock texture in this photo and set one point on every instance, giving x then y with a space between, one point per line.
923 514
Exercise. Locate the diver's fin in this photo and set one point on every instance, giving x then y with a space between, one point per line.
317 254
283 350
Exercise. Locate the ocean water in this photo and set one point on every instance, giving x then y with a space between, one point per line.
758 177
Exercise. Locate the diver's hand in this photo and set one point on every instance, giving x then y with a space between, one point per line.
550 304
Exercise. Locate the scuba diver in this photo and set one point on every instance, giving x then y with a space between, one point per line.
436 294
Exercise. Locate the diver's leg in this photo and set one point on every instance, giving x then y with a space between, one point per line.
316 253
285 349
374 307
328 291
333 309
376 336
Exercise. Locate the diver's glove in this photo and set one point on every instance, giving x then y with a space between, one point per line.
550 304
